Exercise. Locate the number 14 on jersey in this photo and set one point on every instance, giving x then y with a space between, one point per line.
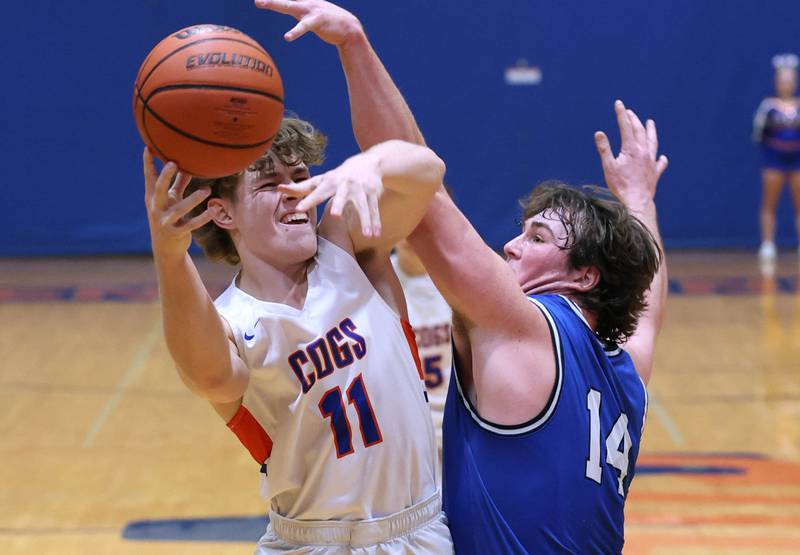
619 435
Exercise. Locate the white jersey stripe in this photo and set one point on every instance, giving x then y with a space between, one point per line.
547 412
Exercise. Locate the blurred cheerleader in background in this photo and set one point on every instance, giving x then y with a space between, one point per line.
776 127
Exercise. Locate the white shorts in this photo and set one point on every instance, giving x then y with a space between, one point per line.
419 529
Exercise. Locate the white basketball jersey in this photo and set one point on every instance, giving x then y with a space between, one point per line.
335 409
431 317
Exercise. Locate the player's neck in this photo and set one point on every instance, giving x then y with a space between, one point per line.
286 285
559 289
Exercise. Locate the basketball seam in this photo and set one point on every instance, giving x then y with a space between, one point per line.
201 140
185 46
151 141
214 88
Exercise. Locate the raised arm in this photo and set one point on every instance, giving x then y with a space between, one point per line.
477 283
196 335
502 342
377 109
633 177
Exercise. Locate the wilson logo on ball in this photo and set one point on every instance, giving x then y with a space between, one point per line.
227 59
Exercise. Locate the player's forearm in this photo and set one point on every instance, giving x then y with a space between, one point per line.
410 175
192 327
377 109
657 295
474 280
408 169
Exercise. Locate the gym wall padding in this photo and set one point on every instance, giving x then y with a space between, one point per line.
72 180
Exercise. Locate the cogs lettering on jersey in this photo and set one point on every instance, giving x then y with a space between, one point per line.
320 355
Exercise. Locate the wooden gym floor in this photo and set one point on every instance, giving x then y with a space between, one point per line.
102 450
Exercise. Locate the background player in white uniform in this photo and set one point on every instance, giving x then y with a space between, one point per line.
431 317
305 355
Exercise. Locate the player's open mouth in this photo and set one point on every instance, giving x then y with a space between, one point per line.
295 218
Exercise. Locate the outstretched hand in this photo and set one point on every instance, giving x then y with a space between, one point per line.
633 174
167 209
355 185
329 22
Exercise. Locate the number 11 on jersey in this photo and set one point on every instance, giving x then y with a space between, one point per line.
331 405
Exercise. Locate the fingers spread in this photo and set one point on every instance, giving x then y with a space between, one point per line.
661 165
652 138
149 174
375 214
300 189
161 196
184 207
179 185
624 123
603 148
362 208
302 27
637 127
198 221
338 203
320 193
287 7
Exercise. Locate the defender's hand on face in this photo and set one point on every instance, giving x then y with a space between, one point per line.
355 185
329 22
633 175
170 230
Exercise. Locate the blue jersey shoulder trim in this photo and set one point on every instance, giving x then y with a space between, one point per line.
540 419
646 404
611 349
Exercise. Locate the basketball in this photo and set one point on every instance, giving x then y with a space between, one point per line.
208 98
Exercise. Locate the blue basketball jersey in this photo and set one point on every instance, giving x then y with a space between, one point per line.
558 483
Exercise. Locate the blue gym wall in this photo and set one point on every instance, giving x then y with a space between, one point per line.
72 158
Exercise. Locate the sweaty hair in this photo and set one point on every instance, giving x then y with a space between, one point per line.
602 233
296 142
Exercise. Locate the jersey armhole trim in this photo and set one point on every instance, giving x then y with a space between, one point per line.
552 402
412 345
611 349
646 404
252 435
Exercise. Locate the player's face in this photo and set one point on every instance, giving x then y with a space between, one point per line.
267 223
537 255
786 82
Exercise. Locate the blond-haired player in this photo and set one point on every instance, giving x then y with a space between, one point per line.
307 355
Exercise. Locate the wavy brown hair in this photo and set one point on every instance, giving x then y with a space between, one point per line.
297 141
602 233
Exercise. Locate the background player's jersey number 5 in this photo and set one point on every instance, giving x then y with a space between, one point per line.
618 436
433 371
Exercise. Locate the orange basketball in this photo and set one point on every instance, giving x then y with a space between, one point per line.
208 98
